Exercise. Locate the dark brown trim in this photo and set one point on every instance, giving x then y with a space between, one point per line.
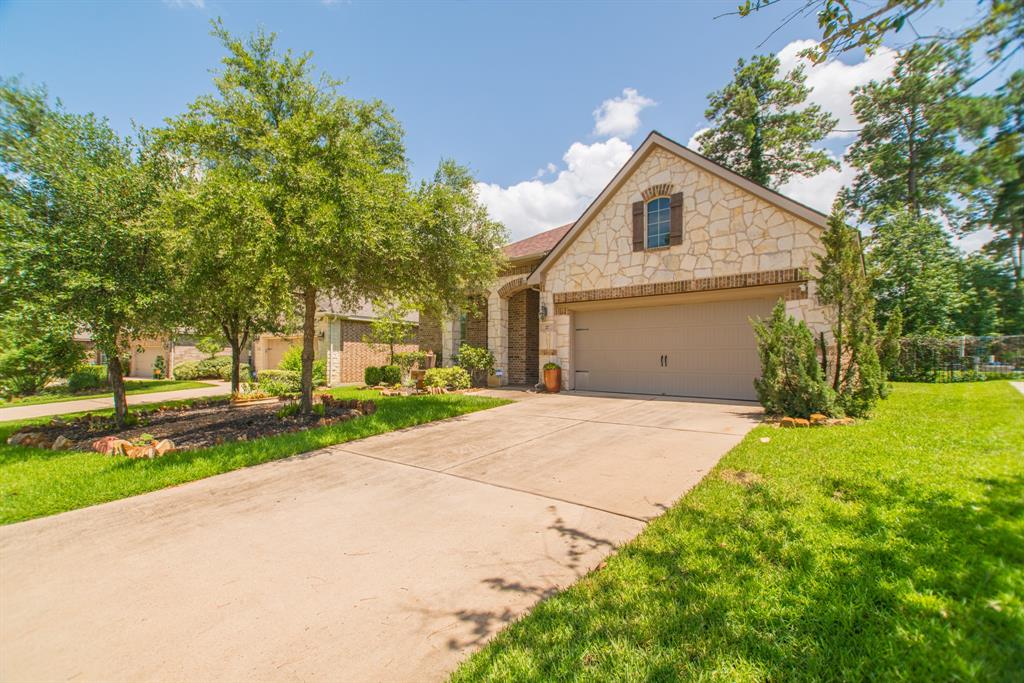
704 284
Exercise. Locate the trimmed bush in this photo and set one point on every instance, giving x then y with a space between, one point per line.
292 360
186 371
87 377
792 382
452 378
390 374
287 381
243 372
371 375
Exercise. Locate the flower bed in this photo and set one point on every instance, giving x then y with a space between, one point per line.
202 424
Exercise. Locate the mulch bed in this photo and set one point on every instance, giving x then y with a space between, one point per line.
205 423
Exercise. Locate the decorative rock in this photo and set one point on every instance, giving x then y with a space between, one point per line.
819 419
368 407
800 422
164 446
109 444
139 452
843 421
18 438
787 422
62 443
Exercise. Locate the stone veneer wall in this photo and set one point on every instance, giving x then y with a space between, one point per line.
726 231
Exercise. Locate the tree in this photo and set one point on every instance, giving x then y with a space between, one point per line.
889 346
759 127
333 180
224 249
907 154
1001 27
994 302
389 329
997 198
74 236
917 270
845 288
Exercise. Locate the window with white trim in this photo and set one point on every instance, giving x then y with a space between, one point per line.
658 213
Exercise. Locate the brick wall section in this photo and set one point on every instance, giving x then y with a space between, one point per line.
428 336
476 325
357 355
523 327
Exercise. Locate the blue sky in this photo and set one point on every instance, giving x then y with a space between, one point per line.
542 100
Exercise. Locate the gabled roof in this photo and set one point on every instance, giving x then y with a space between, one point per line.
536 245
653 140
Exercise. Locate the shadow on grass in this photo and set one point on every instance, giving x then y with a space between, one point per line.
884 580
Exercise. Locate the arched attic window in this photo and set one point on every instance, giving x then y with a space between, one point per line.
657 222
658 219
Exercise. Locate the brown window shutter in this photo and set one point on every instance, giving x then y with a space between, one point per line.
638 226
675 219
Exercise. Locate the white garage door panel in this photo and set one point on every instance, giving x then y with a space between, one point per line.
710 348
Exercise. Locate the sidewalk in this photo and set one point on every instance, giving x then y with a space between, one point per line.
65 407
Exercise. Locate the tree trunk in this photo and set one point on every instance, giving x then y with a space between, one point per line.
115 373
308 336
839 346
237 342
915 204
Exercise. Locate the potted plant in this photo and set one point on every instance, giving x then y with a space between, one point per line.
478 361
552 377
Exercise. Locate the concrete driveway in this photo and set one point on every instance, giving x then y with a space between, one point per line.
389 558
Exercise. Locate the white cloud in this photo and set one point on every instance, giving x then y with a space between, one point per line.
973 241
620 116
178 4
534 205
818 192
692 142
833 80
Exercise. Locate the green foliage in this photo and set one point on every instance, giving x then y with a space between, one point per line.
552 366
760 128
454 378
211 346
159 367
387 375
87 377
34 349
844 287
187 370
476 358
791 381
889 346
244 371
917 270
292 409
292 360
279 382
371 376
74 239
390 329
908 154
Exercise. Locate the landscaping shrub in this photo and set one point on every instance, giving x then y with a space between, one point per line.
87 377
292 360
791 382
390 374
452 378
31 356
159 367
279 382
244 373
371 376
478 360
213 368
186 371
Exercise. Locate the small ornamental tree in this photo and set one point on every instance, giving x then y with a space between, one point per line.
35 347
791 382
389 330
889 346
845 289
210 346
478 360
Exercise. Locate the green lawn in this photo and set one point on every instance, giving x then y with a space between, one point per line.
35 482
132 386
888 550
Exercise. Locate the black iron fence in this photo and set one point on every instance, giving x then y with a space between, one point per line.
959 359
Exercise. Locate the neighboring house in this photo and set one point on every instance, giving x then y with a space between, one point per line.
653 288
339 340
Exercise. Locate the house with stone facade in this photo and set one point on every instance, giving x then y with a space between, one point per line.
652 289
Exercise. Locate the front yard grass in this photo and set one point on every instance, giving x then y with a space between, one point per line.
132 386
36 482
889 550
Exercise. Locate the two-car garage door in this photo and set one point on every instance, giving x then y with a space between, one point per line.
698 349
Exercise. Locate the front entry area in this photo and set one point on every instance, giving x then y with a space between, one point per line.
704 349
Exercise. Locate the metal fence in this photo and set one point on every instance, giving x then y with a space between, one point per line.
952 359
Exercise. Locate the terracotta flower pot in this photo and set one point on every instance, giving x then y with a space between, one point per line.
553 380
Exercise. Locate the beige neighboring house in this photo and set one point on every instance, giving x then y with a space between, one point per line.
652 289
339 341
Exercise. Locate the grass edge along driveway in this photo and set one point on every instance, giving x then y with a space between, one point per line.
36 482
132 387
889 550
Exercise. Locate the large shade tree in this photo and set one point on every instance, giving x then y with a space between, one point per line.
74 236
333 184
761 126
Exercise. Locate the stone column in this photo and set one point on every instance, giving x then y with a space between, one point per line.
497 332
